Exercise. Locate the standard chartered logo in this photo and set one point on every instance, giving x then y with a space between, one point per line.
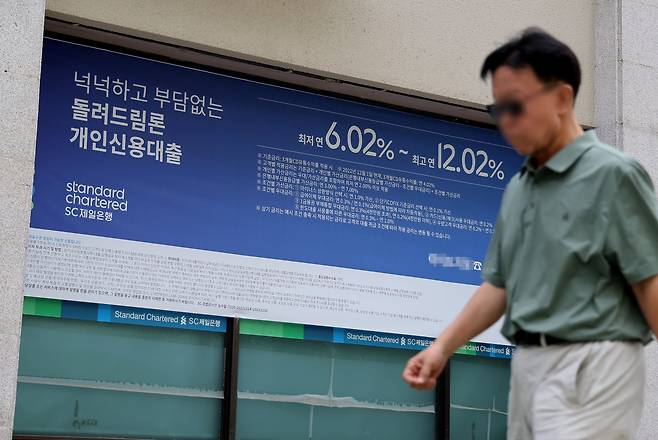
94 202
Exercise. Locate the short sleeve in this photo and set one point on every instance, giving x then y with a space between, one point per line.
492 272
632 233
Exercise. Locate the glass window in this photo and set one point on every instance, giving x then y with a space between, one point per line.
296 389
95 379
479 390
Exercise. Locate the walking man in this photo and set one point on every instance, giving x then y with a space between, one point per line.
573 261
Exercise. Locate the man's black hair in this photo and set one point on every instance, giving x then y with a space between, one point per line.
548 57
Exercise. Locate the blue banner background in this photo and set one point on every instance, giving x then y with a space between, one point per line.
209 201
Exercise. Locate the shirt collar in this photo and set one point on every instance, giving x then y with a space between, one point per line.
567 156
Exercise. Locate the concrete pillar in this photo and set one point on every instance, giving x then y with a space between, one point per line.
21 28
626 114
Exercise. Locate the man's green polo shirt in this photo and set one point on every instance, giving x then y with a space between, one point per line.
570 239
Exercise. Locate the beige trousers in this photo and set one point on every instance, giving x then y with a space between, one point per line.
581 391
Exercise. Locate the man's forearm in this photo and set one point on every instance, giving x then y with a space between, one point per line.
646 293
484 308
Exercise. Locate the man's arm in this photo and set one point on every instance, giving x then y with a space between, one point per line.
484 308
646 293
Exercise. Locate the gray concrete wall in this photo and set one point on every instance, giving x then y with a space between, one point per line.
21 27
430 48
626 112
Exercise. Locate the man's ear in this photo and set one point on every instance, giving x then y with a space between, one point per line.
565 97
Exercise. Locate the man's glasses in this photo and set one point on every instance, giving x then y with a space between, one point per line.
515 107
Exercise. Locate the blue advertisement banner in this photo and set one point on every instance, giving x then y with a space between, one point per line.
289 205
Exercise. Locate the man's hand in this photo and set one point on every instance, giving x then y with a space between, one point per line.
423 369
484 308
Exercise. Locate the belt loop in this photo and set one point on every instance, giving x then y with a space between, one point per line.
542 339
